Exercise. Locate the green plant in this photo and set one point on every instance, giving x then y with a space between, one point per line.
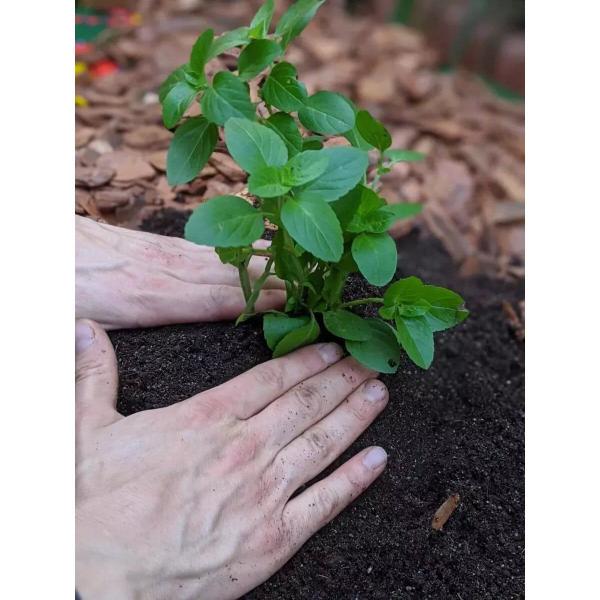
330 219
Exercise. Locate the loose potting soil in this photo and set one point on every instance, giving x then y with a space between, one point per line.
456 428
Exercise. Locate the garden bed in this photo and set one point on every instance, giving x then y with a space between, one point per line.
456 428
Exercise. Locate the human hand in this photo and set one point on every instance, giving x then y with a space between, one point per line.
128 278
193 500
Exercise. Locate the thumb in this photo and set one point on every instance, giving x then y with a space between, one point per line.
96 376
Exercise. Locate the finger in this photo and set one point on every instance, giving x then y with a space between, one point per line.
247 394
309 401
312 509
203 302
96 376
306 456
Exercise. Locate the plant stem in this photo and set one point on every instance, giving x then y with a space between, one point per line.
260 252
362 301
245 280
251 300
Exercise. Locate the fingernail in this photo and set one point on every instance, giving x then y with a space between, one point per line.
374 391
375 458
330 353
84 336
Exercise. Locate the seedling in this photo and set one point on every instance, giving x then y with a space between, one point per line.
331 221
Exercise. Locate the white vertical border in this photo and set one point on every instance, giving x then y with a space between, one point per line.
562 296
36 246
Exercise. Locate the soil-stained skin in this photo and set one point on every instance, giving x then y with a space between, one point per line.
456 428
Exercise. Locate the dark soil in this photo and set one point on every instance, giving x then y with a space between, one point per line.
456 428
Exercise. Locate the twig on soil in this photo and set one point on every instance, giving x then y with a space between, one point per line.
514 321
444 512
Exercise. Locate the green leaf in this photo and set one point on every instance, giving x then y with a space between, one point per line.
345 169
297 338
445 307
233 256
256 57
190 149
312 142
404 291
176 101
285 127
296 18
306 166
254 146
373 215
259 27
313 224
200 52
395 156
376 257
224 221
227 97
277 325
347 325
357 140
381 351
345 207
231 39
416 337
373 131
328 113
282 89
173 78
268 182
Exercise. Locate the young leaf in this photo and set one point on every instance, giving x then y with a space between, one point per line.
227 97
191 146
285 127
357 140
305 167
296 18
373 131
375 255
347 325
345 169
174 77
345 207
402 210
254 146
381 351
225 221
259 27
416 338
297 337
277 325
200 52
395 156
256 57
404 291
313 224
446 307
233 256
176 101
375 216
231 39
327 113
268 182
282 90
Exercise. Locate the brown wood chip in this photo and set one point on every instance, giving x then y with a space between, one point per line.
444 512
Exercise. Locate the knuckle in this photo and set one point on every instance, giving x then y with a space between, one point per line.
327 502
270 375
317 442
309 400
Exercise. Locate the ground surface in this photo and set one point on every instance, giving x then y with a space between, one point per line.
457 428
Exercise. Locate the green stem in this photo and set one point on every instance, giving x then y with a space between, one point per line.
251 301
362 301
245 279
259 252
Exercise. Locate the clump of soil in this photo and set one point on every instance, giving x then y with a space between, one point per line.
456 428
